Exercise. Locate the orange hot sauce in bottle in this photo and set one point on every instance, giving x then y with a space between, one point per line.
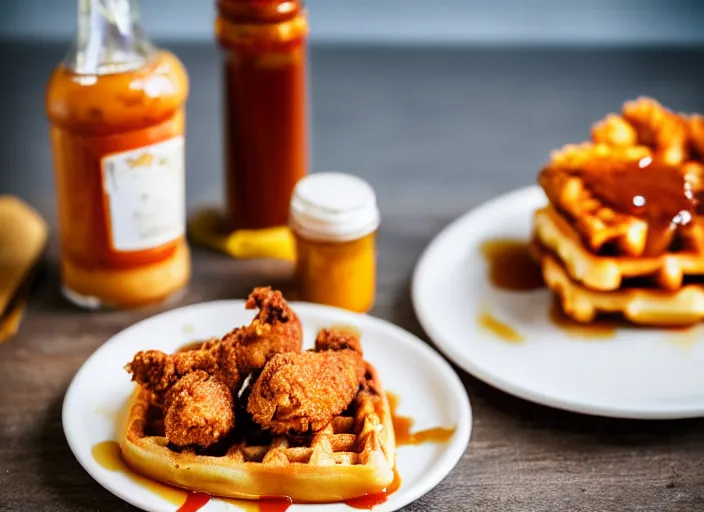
266 131
116 107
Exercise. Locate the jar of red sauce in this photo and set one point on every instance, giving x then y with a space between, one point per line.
116 107
266 127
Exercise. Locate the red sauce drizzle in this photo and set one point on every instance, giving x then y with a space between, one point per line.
274 504
265 504
194 502
369 501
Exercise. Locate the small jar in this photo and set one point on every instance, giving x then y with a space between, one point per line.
334 219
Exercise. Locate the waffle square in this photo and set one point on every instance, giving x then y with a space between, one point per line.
645 306
597 224
352 456
604 272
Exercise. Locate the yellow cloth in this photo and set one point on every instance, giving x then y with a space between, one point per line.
205 228
23 236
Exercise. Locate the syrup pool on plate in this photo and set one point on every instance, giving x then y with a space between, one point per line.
403 425
512 268
498 328
107 454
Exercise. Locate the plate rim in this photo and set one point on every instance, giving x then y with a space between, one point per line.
444 464
497 381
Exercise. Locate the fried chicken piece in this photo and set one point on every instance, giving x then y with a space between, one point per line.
301 393
614 130
244 350
158 371
199 411
275 329
659 128
338 338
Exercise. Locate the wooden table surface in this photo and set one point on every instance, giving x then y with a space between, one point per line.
436 131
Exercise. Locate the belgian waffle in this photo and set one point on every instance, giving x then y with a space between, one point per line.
601 228
645 306
597 224
605 273
351 457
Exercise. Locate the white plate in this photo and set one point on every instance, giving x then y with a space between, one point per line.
428 390
639 373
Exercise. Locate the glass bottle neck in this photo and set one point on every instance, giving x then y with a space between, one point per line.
109 39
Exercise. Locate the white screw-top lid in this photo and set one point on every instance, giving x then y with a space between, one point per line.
333 207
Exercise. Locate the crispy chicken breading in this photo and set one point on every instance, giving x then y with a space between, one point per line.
276 328
199 410
158 371
196 387
301 393
244 350
338 338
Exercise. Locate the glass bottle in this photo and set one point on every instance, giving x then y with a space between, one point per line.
334 219
116 107
266 130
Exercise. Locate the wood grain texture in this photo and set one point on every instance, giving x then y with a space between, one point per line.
436 132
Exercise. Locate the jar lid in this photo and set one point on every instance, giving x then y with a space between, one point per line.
333 206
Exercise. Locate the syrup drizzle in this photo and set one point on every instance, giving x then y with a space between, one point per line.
107 454
511 266
403 425
369 501
652 190
404 436
499 328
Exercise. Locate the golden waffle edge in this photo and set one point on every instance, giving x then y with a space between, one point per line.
606 273
640 306
352 456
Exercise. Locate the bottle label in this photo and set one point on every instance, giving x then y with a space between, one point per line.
146 195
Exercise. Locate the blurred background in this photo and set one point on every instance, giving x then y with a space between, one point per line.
481 90
503 22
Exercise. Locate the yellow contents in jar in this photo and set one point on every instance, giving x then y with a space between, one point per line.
341 274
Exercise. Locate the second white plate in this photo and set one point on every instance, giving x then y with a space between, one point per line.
636 373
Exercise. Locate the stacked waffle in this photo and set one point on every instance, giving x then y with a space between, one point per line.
624 229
